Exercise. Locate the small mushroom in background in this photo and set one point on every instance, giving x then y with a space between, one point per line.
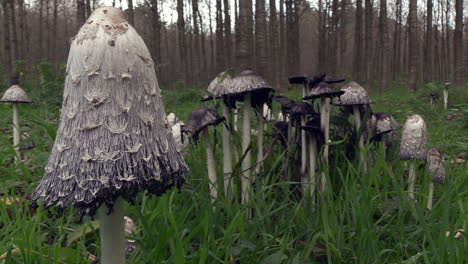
312 128
179 137
304 80
413 146
446 88
112 141
249 87
435 165
434 97
199 121
355 96
129 228
15 95
325 92
383 127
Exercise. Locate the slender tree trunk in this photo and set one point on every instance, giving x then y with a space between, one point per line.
21 26
181 36
54 33
220 62
80 13
368 45
88 8
428 44
357 58
227 34
282 47
6 34
342 62
274 50
413 45
261 37
131 17
243 47
384 45
212 55
458 43
14 35
156 36
196 40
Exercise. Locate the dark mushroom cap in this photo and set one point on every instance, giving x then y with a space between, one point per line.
331 80
384 123
220 85
113 140
312 125
285 102
413 139
15 94
299 80
314 81
354 94
199 119
301 108
435 162
323 89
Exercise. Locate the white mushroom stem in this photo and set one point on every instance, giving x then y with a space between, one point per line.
246 162
16 132
112 234
432 103
411 179
312 165
227 153
304 178
211 165
258 169
430 196
325 127
357 117
445 98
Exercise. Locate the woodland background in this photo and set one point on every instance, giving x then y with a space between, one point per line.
376 42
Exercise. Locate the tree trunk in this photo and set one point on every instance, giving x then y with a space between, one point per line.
88 8
342 62
357 58
261 38
428 44
181 36
282 47
212 61
368 46
274 41
6 34
243 47
156 36
196 40
458 43
54 58
384 45
413 45
14 35
227 34
131 17
220 62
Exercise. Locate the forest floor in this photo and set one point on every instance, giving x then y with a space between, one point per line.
364 218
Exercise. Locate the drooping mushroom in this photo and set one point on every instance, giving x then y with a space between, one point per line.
434 97
249 87
199 121
219 88
355 96
413 146
15 95
435 162
385 124
324 91
446 88
112 141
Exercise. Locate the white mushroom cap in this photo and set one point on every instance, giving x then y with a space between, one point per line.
413 139
354 94
15 94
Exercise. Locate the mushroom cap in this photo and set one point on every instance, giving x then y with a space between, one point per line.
113 139
312 125
354 94
413 139
199 119
249 81
220 85
285 102
301 108
15 94
435 162
384 123
323 89
299 79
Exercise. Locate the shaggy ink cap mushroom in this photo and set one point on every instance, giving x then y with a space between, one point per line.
15 94
301 108
251 82
435 162
413 139
299 79
199 119
384 123
313 125
285 102
354 94
113 140
220 85
323 89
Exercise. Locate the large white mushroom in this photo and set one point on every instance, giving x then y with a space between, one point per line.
413 146
15 95
112 141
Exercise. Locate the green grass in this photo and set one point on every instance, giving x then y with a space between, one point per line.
365 218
